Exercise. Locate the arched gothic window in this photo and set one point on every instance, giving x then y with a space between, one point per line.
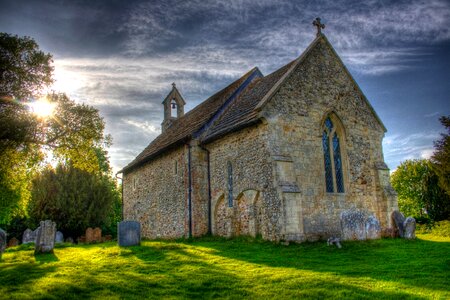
334 178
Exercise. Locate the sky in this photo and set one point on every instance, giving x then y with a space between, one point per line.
122 56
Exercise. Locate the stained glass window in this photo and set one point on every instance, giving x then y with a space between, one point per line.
334 178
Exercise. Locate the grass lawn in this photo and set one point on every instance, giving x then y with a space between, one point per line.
239 268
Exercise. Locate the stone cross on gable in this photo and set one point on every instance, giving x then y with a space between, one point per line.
173 84
319 26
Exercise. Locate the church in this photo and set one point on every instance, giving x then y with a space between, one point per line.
280 156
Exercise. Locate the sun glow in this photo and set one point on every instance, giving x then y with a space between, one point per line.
42 108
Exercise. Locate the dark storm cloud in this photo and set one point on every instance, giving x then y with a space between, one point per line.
122 56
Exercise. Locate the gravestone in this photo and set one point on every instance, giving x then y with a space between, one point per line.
2 242
129 233
81 239
359 225
45 240
97 235
398 219
107 238
13 242
409 227
59 238
373 228
353 225
69 240
89 235
29 236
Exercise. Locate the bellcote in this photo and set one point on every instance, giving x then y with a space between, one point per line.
173 107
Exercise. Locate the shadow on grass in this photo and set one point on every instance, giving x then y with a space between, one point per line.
44 258
418 263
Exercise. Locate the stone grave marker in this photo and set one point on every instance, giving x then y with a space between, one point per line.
353 225
59 238
2 242
359 225
89 234
45 240
97 235
29 236
13 242
373 228
129 233
69 240
398 219
409 227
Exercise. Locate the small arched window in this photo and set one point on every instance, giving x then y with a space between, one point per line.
334 178
230 184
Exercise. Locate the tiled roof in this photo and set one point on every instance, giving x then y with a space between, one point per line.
184 127
241 112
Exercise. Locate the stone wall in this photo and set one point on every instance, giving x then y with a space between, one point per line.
155 194
320 86
256 208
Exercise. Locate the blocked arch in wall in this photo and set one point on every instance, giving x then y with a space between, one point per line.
244 218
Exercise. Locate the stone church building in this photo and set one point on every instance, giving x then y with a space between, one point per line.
281 156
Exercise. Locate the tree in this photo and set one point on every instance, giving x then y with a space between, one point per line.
24 69
75 199
73 133
419 194
441 156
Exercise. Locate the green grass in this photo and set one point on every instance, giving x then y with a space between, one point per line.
239 268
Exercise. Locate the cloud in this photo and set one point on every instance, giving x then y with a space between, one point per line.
399 148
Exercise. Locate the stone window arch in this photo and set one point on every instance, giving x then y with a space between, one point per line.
332 139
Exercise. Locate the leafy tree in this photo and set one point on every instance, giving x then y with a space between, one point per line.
441 156
419 194
72 134
75 199
24 69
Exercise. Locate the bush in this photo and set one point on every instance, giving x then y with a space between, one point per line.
441 228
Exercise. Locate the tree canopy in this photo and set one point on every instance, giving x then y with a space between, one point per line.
419 194
74 199
24 69
72 134
441 156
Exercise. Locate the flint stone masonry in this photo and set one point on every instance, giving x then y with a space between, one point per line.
399 219
129 233
278 175
45 240
29 236
59 237
359 225
2 242
409 226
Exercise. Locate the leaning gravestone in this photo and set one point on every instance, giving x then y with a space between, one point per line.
129 233
29 236
409 227
45 240
59 237
398 219
2 242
